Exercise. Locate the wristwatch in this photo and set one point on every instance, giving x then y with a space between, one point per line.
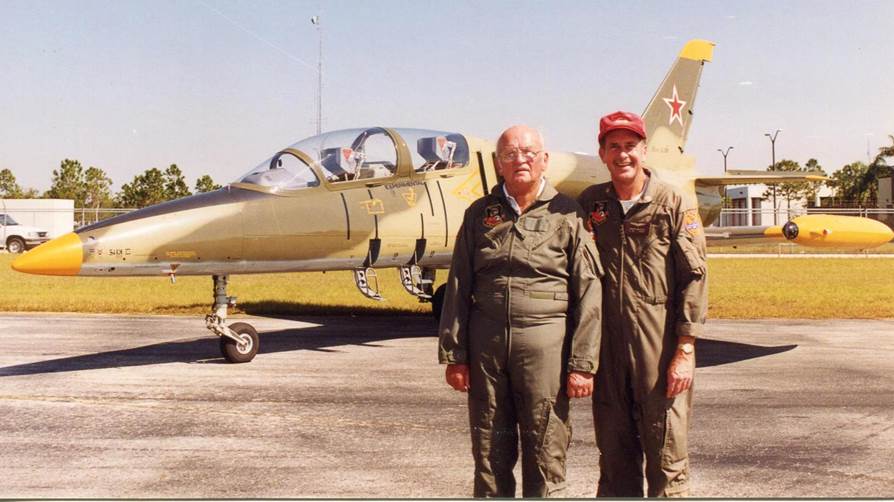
686 348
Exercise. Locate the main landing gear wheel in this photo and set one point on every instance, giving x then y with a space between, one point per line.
243 351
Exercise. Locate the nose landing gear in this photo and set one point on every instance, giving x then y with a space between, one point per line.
239 342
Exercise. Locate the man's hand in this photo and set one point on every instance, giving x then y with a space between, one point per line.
457 376
680 373
580 384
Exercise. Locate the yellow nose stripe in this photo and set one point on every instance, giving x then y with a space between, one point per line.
61 256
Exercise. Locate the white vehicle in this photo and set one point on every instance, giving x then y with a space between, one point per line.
17 238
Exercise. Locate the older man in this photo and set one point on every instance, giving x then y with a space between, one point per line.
652 247
521 324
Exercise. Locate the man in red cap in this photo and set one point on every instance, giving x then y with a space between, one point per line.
652 248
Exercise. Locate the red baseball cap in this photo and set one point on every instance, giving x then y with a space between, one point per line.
621 120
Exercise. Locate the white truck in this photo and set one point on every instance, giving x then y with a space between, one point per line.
17 238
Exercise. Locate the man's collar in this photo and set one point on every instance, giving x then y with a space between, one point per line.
648 192
544 193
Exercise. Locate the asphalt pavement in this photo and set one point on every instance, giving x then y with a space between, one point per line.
97 406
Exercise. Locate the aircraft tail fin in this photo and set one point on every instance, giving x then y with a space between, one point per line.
669 114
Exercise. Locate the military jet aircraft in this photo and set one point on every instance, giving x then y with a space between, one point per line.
379 197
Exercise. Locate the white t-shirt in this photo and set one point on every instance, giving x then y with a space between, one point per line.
514 203
627 204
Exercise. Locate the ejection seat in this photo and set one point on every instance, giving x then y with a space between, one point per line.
341 162
437 151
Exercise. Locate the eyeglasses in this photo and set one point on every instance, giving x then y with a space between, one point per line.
511 155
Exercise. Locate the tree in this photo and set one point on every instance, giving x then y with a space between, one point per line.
68 182
152 187
789 190
9 189
813 187
206 184
849 185
145 189
97 186
175 183
29 193
876 169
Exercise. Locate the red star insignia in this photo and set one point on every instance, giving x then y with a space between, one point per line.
676 107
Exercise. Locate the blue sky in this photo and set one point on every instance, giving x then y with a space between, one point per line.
218 86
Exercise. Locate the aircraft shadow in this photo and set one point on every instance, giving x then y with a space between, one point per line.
327 337
717 352
291 310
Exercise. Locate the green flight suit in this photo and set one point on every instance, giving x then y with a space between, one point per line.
522 308
655 289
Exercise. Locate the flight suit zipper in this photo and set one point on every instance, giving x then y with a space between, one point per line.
509 274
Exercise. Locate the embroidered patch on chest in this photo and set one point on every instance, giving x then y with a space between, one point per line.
637 227
599 213
493 216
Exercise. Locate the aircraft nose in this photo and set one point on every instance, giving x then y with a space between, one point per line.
61 256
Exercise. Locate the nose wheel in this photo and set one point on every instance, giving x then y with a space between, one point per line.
245 349
239 342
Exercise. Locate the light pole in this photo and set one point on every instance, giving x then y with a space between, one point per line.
724 153
316 22
773 166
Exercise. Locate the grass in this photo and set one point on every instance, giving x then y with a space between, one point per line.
311 293
739 289
787 248
822 288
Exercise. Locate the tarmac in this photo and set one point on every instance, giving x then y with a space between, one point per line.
101 406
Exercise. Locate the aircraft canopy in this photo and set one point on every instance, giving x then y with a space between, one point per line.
353 154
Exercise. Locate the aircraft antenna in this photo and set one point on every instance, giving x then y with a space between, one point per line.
316 22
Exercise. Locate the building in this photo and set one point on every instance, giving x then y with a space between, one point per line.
56 216
886 199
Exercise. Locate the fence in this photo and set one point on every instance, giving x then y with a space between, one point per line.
730 217
87 216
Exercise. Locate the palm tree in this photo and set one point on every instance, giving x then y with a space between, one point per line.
878 168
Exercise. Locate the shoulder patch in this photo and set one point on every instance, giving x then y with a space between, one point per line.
692 223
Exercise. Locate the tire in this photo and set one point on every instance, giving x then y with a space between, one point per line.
437 302
240 353
15 245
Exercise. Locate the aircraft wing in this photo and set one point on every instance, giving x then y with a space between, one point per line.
742 177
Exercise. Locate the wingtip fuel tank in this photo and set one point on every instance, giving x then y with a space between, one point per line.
833 231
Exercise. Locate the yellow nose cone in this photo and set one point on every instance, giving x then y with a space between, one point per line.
61 256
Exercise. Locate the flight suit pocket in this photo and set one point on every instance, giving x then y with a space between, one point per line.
654 244
542 231
674 451
488 246
555 440
589 256
688 258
